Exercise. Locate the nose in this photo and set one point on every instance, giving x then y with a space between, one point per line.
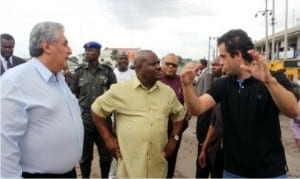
157 66
69 50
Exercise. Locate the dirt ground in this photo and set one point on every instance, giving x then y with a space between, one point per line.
185 167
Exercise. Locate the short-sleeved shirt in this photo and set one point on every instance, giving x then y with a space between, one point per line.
252 136
141 125
87 86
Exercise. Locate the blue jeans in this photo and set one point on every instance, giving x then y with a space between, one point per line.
227 174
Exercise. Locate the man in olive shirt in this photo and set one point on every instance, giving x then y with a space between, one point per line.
142 106
90 81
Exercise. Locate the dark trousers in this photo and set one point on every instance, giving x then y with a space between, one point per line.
70 174
202 172
172 159
218 165
92 136
203 122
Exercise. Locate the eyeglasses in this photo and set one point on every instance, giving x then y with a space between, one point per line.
171 64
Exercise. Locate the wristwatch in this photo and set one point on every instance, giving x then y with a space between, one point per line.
175 137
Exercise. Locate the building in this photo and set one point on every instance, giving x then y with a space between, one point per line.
290 66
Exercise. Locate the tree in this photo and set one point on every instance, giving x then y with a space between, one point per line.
114 54
183 61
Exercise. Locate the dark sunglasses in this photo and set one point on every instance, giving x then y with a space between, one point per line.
171 64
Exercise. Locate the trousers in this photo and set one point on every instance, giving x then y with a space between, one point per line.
91 137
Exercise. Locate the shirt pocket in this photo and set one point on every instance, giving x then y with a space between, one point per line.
161 116
83 82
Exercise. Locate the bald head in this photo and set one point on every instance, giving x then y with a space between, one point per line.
216 60
147 67
216 67
142 56
122 61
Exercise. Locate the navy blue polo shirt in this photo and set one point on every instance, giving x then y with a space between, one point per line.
252 136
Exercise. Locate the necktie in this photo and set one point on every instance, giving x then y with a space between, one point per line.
9 65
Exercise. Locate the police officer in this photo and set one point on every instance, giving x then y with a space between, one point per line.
90 81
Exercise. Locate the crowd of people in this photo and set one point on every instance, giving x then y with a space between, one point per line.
52 118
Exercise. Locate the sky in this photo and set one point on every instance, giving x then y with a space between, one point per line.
182 27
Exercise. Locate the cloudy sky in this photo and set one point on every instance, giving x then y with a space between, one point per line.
182 27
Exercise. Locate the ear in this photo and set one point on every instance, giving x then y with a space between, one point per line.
46 47
239 57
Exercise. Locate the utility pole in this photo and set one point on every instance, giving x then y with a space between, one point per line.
273 31
266 13
285 30
266 45
208 57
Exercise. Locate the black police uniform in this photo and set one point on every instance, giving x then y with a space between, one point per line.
87 87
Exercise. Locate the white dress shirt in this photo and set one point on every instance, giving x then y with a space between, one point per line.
4 62
41 125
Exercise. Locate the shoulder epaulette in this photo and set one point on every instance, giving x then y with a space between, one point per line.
80 67
106 67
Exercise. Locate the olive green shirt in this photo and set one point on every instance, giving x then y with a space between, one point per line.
87 86
141 125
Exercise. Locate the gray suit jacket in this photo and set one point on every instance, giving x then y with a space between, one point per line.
15 61
204 82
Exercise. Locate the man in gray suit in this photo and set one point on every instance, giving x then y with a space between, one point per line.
8 60
204 79
203 121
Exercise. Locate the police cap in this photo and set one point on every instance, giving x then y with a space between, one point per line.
92 44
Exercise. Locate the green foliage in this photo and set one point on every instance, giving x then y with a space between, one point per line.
183 61
114 54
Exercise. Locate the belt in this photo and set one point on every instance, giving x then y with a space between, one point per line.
70 174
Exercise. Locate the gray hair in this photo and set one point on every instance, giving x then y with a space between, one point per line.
43 31
169 54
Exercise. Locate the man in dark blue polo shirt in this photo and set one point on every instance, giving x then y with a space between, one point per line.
251 99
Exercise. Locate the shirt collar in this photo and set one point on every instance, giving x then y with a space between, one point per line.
137 83
204 69
86 66
234 79
3 59
46 74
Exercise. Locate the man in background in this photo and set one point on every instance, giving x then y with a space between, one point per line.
202 85
211 154
122 71
90 81
8 60
169 69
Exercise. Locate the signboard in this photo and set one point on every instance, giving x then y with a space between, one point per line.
292 64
